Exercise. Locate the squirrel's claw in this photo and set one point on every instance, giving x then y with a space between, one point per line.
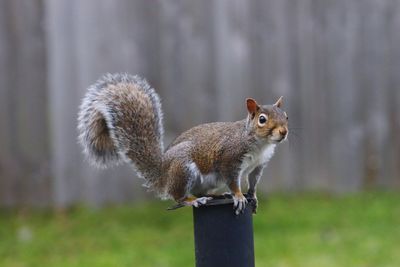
254 204
239 203
253 201
197 202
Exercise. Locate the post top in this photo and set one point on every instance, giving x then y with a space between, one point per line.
216 200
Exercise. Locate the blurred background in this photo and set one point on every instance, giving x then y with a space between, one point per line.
336 63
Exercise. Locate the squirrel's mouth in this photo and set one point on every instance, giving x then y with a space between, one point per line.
277 139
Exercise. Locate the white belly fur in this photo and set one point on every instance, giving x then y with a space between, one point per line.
202 183
256 157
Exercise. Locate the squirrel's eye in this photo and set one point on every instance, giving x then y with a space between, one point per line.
262 119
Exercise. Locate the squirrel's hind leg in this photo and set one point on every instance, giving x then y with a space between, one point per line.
181 181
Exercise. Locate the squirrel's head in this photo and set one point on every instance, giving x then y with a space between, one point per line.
268 122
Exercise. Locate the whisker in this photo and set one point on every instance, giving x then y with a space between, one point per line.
295 134
292 145
293 140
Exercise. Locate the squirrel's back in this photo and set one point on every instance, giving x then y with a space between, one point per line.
119 120
215 142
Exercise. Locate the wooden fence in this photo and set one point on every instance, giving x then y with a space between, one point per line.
337 64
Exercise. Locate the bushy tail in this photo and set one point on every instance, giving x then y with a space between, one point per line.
120 120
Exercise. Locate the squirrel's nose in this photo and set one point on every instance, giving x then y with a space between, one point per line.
283 131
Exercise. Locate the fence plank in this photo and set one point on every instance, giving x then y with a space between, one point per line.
187 71
25 148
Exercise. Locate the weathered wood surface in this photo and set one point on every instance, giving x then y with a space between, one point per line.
24 135
337 64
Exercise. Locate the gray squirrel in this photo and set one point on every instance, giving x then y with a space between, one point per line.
120 120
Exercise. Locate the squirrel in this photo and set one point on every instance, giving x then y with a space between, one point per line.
120 120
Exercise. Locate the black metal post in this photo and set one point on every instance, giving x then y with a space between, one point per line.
221 237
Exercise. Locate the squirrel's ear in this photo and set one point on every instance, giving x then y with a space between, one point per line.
252 106
279 102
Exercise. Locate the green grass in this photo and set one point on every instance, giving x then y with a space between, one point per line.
290 230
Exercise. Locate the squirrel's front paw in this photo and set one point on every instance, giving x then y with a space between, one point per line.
254 204
239 203
253 201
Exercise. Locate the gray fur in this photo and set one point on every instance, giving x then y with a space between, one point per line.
122 141
120 120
